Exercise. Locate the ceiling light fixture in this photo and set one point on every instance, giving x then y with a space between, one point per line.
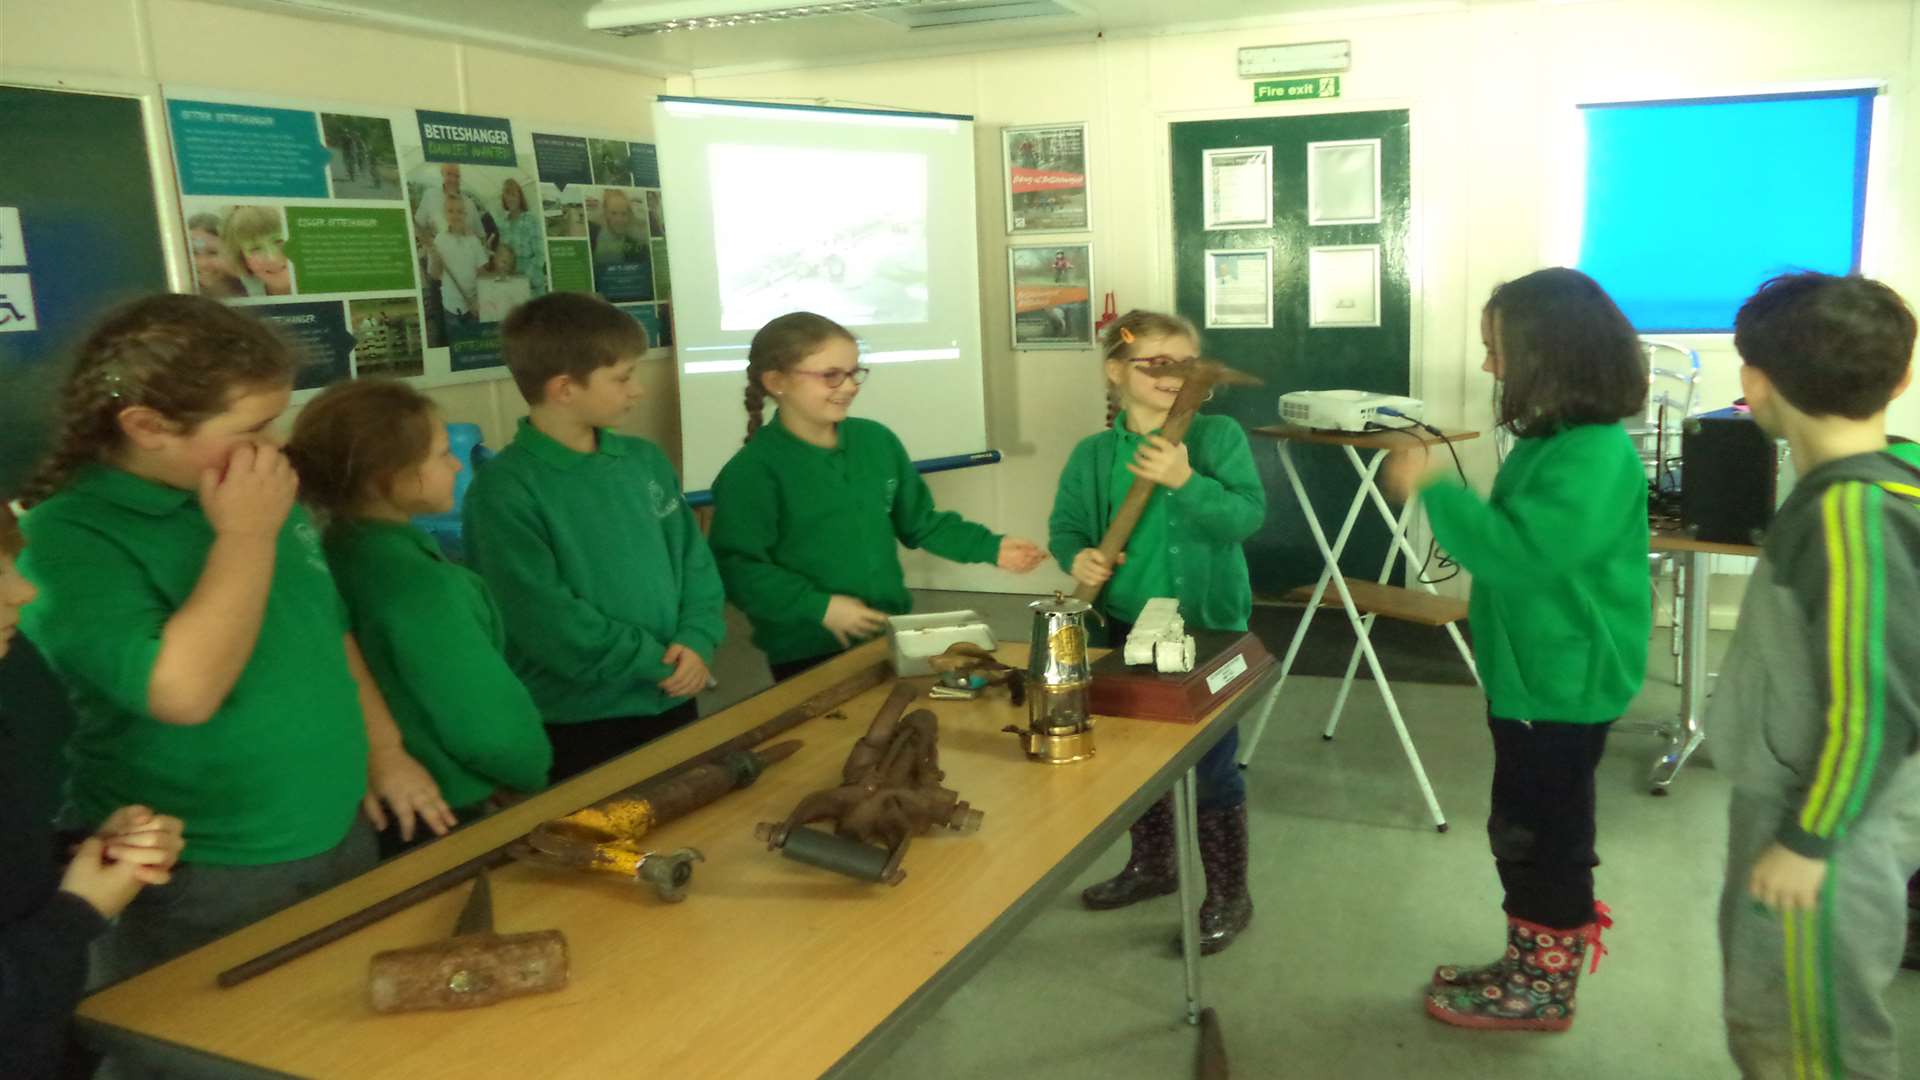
627 19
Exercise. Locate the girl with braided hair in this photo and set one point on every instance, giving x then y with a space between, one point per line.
372 455
1187 545
186 604
808 515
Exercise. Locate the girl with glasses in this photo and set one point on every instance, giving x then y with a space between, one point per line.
809 514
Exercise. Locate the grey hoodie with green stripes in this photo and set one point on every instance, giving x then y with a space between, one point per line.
1816 720
1818 700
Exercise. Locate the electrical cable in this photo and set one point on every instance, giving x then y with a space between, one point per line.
1434 554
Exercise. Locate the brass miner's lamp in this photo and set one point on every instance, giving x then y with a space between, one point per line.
1059 727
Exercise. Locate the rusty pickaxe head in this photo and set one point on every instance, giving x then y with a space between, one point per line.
1206 373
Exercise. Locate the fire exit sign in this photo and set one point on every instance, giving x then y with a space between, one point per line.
1318 86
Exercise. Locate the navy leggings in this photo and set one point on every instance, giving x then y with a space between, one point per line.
1542 826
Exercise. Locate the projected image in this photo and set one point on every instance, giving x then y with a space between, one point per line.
841 232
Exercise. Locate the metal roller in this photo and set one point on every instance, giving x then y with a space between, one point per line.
840 855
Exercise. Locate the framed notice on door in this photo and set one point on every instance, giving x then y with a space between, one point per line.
1239 289
1239 188
1343 286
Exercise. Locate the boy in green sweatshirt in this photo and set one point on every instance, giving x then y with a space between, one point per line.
613 606
1816 715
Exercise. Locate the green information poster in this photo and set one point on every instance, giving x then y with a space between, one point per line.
571 264
662 287
350 249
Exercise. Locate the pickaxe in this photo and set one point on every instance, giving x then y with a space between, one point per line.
1201 377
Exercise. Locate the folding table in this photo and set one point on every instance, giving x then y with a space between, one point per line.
1364 600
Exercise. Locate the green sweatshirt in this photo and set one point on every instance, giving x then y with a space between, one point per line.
1561 609
1816 706
598 565
1203 525
795 524
277 773
433 638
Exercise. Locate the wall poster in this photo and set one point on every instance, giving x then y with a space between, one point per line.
393 242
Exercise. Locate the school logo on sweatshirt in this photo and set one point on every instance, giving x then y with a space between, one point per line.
892 488
310 542
664 504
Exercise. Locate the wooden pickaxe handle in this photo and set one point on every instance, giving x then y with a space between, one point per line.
1179 419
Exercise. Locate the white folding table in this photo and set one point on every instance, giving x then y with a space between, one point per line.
1364 600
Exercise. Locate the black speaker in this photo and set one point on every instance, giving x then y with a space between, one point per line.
1729 478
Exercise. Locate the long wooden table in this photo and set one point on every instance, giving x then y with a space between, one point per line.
769 968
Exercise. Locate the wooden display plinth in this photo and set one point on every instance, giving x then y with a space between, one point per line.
1226 661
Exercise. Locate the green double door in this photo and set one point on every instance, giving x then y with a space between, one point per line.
1362 341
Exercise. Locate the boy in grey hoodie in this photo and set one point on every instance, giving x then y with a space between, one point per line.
1817 711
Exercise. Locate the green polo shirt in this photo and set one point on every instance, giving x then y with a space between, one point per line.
279 770
794 524
434 640
1195 551
598 565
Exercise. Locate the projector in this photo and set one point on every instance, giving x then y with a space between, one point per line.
1349 410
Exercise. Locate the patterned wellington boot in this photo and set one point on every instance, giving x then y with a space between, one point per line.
1150 869
1536 991
1478 975
1228 908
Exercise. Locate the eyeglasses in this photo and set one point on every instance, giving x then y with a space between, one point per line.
834 377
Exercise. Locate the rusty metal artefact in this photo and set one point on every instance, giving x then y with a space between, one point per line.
605 837
967 664
474 967
823 702
890 793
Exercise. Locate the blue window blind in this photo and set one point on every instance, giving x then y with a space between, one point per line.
1692 204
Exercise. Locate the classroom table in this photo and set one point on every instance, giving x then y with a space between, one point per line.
1685 735
768 969
1364 600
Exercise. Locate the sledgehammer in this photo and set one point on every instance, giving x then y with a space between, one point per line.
472 968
